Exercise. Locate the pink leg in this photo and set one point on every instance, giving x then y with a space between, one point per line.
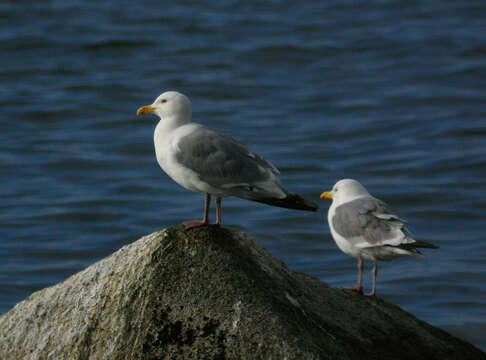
195 223
374 272
218 210
358 287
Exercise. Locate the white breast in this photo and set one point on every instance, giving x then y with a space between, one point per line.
165 141
344 245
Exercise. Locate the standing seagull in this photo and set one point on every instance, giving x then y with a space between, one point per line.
366 228
210 162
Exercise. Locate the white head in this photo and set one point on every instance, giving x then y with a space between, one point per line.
170 105
345 190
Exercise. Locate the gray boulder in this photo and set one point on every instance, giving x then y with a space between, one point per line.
211 293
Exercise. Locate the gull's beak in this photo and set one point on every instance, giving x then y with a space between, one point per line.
145 110
326 195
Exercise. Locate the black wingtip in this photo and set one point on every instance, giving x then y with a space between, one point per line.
292 201
418 244
424 244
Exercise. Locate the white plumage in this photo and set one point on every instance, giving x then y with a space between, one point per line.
207 161
366 228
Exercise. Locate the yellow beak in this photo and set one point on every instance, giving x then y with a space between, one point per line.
145 110
326 195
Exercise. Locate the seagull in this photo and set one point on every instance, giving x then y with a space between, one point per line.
366 228
212 163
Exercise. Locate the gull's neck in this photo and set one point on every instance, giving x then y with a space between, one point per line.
168 123
165 127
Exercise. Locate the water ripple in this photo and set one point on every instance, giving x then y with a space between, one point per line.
391 94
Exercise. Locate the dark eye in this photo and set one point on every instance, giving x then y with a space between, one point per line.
163 101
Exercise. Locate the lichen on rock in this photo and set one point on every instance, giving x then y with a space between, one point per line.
211 293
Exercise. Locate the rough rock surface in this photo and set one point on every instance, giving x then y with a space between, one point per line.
211 293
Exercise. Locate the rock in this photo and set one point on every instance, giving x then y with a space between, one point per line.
211 293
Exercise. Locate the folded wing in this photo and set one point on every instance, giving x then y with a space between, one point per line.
227 165
369 222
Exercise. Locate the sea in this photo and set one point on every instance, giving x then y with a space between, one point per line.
390 93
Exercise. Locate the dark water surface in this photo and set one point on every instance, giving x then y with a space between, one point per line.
392 93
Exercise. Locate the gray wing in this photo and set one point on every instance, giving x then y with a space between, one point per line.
368 222
223 162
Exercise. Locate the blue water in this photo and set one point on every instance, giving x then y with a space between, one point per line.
391 93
